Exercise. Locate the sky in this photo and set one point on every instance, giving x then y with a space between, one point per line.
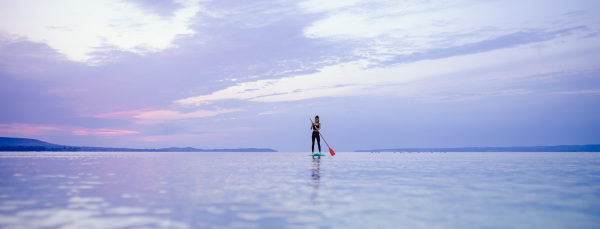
250 74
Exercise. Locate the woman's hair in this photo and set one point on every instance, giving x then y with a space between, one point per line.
316 117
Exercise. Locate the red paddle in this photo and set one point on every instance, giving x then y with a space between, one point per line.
330 150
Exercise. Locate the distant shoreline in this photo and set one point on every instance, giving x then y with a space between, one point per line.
29 145
558 148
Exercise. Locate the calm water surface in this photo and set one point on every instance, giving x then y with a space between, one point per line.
291 190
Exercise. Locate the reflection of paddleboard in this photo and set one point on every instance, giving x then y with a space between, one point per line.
317 154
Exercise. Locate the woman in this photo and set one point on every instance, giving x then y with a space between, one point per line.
316 126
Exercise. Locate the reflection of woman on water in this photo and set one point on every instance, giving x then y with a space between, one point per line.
316 126
316 179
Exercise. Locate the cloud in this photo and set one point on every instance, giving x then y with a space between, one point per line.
121 114
578 92
165 8
468 95
33 129
404 49
271 112
491 69
178 139
77 29
28 129
160 116
103 132
21 57
501 42
330 81
154 116
384 29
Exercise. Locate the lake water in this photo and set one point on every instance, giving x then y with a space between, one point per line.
291 190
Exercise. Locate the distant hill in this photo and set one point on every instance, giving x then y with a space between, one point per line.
9 142
26 144
560 148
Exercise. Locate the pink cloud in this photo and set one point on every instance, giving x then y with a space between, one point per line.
33 129
160 116
183 138
103 132
122 114
28 129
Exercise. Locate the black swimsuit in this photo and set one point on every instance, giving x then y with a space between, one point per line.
315 135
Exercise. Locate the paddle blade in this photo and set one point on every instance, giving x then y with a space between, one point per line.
331 151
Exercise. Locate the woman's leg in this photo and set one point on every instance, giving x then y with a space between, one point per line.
313 142
319 141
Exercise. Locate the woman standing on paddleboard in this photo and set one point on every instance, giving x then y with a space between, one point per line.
316 126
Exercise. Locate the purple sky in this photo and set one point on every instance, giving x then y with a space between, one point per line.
231 74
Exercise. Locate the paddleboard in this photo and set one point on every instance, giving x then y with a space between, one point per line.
317 154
